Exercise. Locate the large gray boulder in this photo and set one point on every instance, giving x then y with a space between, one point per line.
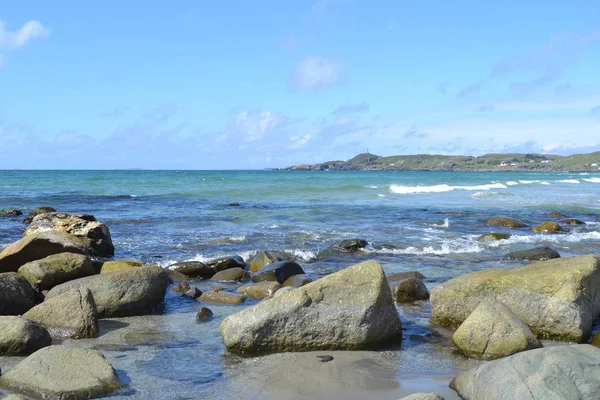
135 291
554 373
19 336
53 270
350 309
72 314
59 372
94 234
557 299
16 294
493 331
37 246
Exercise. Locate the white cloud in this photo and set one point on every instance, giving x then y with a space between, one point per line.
252 127
10 41
316 72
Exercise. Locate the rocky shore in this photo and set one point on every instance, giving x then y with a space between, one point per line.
523 333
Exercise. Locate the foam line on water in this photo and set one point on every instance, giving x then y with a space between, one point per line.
398 189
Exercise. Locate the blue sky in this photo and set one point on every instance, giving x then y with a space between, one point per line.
259 84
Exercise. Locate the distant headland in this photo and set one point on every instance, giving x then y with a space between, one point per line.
488 162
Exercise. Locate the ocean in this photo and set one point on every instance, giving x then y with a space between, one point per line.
424 221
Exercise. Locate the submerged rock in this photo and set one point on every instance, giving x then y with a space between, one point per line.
409 289
204 314
344 247
16 294
37 211
557 299
192 269
493 236
53 270
73 314
19 336
505 222
547 227
557 214
537 254
493 331
59 372
37 246
320 316
94 234
560 373
10 212
135 291
278 272
572 221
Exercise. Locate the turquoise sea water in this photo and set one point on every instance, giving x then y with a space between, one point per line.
426 221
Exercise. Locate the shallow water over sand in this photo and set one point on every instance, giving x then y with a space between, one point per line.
425 221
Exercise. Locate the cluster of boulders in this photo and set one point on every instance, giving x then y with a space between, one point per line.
55 285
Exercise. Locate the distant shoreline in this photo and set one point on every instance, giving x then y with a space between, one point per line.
496 162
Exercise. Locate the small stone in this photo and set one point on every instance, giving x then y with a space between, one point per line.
10 212
204 314
236 274
493 236
572 221
260 290
181 287
505 222
325 358
222 298
547 227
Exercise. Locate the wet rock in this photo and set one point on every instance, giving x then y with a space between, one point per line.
193 269
547 227
259 290
10 212
204 314
297 280
19 336
560 372
557 299
135 291
325 358
37 211
596 340
505 222
53 270
222 298
235 274
278 272
181 287
16 294
193 292
557 214
348 246
59 372
72 314
493 331
224 263
38 246
175 276
398 276
320 316
423 396
119 265
493 236
233 205
536 254
263 258
410 289
94 234
572 221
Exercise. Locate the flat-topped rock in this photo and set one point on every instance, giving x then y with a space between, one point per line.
53 270
61 373
350 309
557 299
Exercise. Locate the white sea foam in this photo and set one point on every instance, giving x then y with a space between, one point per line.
380 195
528 182
239 238
583 173
512 183
442 188
572 237
453 247
372 187
592 180
568 181
445 224
544 183
303 254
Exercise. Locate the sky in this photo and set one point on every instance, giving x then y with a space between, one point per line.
265 84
